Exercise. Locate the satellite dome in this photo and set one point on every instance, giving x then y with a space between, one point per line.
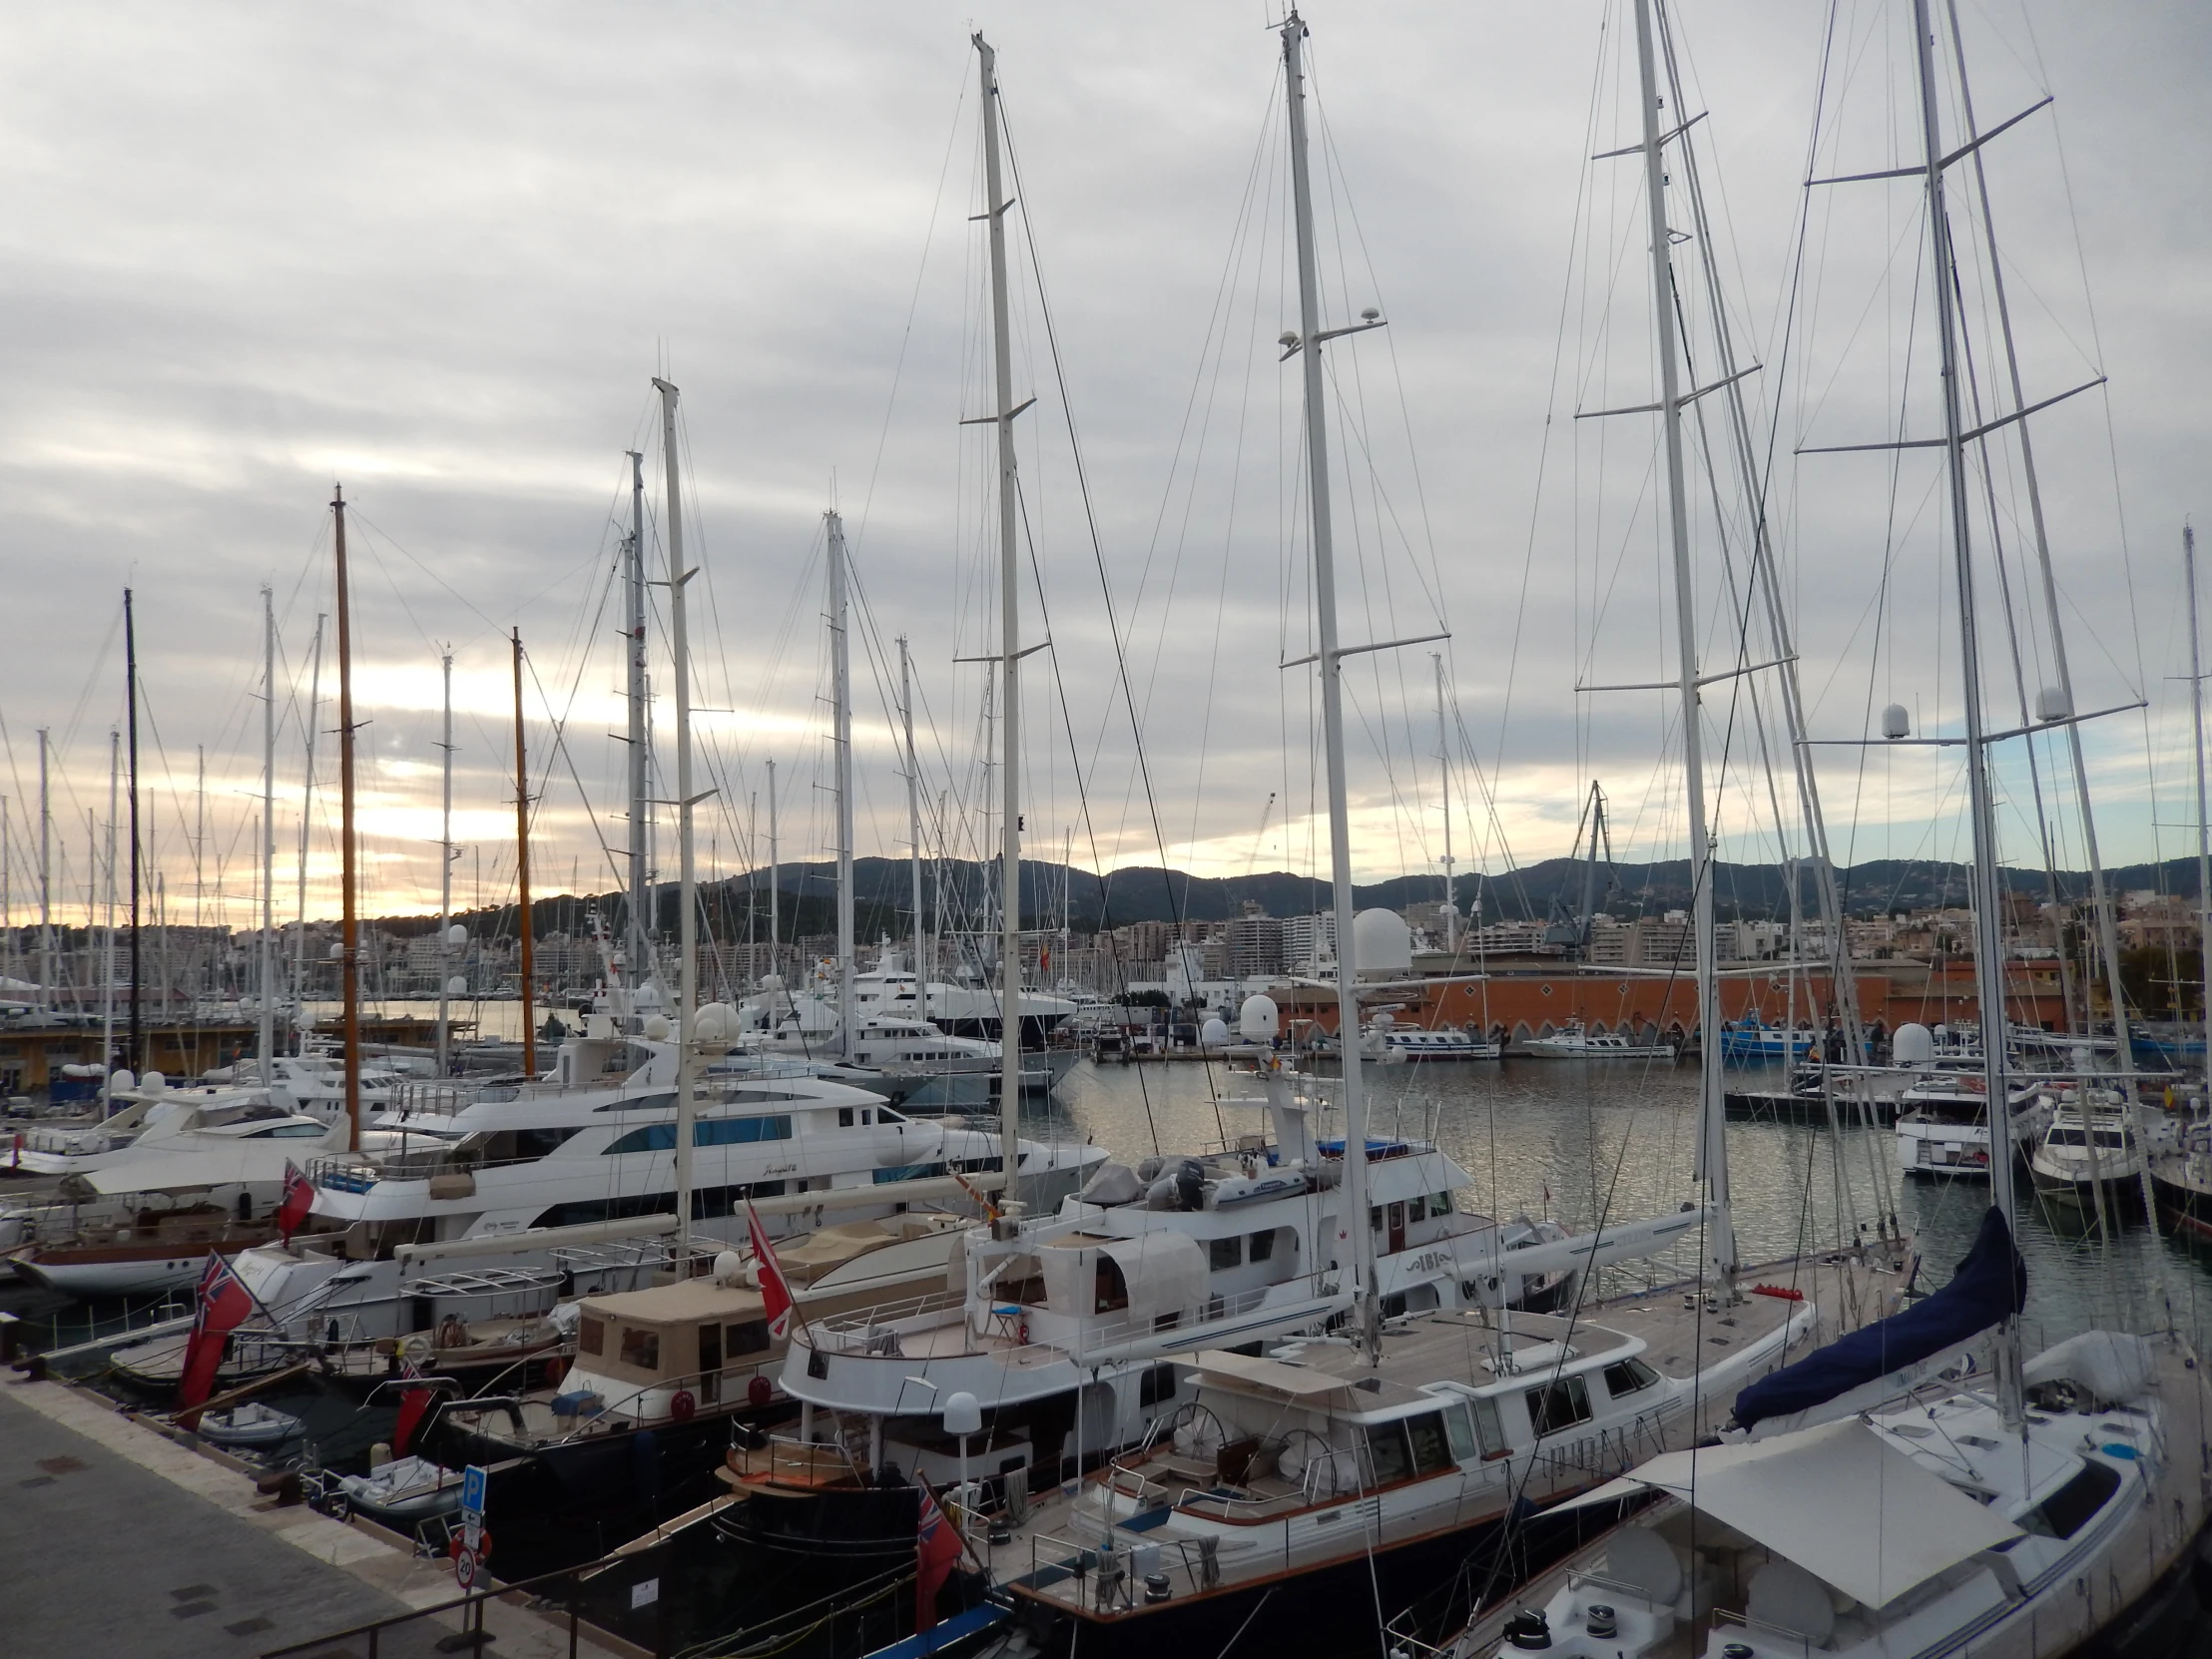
1914 1045
153 1082
123 1079
1214 1033
457 985
716 1022
657 1028
1380 940
1257 1019
456 935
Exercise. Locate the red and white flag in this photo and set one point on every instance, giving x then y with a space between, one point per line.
936 1551
297 1198
414 1405
776 1295
225 1303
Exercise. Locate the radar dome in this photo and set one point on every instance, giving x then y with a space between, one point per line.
1381 941
153 1082
772 981
456 935
1214 1033
1914 1045
1257 1019
456 986
123 1079
655 1028
716 1022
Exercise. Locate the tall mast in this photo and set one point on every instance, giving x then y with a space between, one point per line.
2100 897
687 888
306 823
132 1050
1443 773
522 876
2196 726
45 877
1354 1239
199 862
914 827
1009 628
268 846
349 939
107 953
774 879
840 719
1989 961
640 948
1712 1119
445 868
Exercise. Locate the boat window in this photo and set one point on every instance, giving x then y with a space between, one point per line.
1156 1384
665 1102
1460 1428
660 1137
1432 1447
592 1336
845 1117
1627 1377
287 1131
867 1114
884 1114
751 1337
640 1349
1225 1253
1440 1204
2068 1510
1263 1245
1111 1291
1558 1406
710 1348
1388 1451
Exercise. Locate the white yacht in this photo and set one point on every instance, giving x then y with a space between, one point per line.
892 987
2085 1147
1942 1126
156 1121
1576 1042
595 1143
1178 1255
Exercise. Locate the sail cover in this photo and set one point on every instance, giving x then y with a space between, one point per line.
1991 1284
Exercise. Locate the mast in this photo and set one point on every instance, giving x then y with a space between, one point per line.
268 849
1720 1236
840 714
1009 627
1443 773
107 951
307 821
445 869
774 890
131 1049
914 827
640 950
687 888
2196 726
349 954
45 877
522 875
1988 940
1355 1238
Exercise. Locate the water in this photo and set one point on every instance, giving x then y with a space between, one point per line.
1615 1140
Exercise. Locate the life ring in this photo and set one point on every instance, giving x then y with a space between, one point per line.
1021 1333
682 1406
760 1391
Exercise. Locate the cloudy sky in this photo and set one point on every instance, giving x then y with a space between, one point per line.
437 253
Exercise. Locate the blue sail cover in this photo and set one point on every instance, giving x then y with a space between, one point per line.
1991 1284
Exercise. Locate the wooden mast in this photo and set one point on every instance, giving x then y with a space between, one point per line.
522 873
349 946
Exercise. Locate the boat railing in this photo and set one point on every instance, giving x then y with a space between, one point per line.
875 1330
1772 1637
797 1462
1115 1577
428 1099
351 1172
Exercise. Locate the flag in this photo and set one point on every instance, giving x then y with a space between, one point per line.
294 1203
224 1304
936 1549
776 1296
413 1404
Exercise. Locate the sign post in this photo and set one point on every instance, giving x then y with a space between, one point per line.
469 1558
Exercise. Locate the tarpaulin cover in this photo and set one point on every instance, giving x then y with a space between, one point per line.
1991 1284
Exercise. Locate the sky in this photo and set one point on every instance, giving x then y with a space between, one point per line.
436 255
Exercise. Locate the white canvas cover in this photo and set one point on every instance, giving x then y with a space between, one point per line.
1297 1382
181 1171
2114 1366
1165 1274
1837 1500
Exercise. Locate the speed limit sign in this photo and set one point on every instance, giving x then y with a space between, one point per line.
464 1568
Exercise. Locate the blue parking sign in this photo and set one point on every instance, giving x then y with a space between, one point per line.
472 1489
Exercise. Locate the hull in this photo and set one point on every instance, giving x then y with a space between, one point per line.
124 1270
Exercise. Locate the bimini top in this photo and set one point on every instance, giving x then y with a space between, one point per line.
1878 1524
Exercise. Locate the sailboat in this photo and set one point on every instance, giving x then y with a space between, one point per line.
1922 1486
1301 1493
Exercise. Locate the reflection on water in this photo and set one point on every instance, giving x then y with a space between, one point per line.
1589 1141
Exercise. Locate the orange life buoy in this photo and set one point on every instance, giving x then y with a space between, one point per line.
682 1406
760 1391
